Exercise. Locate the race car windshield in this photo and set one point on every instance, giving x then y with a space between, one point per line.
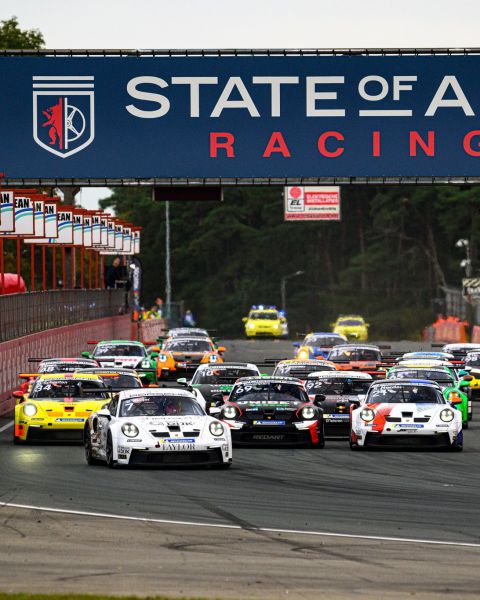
226 375
199 345
301 371
337 387
268 316
356 354
323 340
119 350
73 389
472 360
268 391
62 367
397 394
441 377
187 331
351 322
160 406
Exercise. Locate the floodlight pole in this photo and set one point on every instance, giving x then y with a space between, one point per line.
168 282
283 288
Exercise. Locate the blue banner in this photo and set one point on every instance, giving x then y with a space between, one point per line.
245 116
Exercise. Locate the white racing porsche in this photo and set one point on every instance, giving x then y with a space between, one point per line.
156 426
402 412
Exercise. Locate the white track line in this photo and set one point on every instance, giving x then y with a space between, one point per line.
7 426
238 527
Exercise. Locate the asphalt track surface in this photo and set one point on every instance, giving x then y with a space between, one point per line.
281 523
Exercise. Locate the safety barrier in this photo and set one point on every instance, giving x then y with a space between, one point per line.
476 334
70 340
450 330
151 329
24 314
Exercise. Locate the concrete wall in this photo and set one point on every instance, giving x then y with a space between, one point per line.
62 341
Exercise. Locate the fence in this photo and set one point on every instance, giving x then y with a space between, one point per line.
25 314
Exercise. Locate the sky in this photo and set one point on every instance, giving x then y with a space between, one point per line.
247 24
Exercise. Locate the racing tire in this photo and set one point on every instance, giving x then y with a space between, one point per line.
17 441
88 449
456 448
111 464
465 425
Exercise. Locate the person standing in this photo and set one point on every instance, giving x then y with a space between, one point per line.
113 274
188 319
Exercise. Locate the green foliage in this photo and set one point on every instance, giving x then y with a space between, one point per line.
14 38
387 259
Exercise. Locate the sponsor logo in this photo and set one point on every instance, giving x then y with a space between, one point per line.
268 436
409 426
63 113
269 422
178 440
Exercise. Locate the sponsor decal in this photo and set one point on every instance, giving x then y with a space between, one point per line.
268 436
70 420
269 422
409 425
134 440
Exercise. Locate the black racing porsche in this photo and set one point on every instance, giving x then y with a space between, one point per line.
273 411
340 391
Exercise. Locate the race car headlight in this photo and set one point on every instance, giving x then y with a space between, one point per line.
251 325
213 358
216 428
29 410
230 412
130 430
367 415
145 364
308 412
162 357
303 355
447 415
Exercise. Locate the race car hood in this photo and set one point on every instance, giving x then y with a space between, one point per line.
172 426
186 356
406 410
209 389
333 401
66 408
120 361
268 409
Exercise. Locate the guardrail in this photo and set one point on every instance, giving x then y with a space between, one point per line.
24 314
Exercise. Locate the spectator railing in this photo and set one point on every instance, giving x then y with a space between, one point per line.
24 314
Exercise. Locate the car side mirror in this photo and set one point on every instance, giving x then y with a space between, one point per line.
244 319
296 344
221 349
153 354
456 401
104 412
17 394
319 398
217 399
182 381
86 354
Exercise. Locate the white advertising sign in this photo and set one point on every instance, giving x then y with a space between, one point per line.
312 203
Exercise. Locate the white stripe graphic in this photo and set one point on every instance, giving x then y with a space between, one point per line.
385 113
238 527
63 78
62 85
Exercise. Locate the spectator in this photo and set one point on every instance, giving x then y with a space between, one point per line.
113 274
159 303
188 319
153 312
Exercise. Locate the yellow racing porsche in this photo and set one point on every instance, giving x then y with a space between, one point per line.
56 407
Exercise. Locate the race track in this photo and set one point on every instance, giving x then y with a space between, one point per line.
271 515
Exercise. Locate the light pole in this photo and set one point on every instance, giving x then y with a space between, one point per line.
466 262
283 288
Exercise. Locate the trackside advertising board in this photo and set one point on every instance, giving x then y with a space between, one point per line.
312 203
251 116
